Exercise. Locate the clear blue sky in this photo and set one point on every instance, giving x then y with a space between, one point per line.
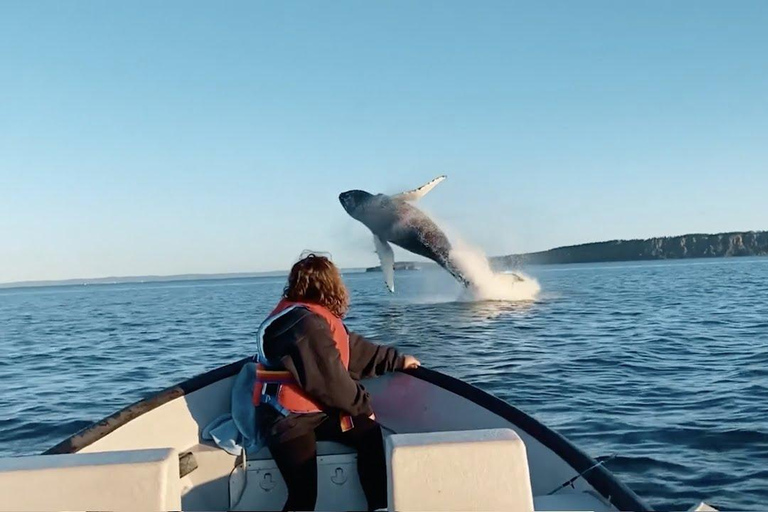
172 137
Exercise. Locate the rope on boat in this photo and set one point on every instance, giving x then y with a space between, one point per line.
601 461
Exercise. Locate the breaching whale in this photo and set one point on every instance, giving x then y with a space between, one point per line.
392 218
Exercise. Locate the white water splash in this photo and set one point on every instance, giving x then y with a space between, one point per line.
487 284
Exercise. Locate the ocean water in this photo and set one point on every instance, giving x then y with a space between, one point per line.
664 364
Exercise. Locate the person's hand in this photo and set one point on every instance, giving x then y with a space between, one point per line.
410 363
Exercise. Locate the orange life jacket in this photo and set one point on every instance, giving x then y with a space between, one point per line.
289 396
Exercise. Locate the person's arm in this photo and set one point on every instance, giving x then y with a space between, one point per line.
315 363
368 359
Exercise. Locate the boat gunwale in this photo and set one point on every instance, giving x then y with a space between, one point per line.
100 429
602 480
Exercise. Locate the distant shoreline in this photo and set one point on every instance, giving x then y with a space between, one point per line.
691 246
96 281
399 265
101 281
719 245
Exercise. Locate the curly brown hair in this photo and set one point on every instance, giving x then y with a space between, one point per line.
315 279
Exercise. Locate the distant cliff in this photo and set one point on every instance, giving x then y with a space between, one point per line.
749 243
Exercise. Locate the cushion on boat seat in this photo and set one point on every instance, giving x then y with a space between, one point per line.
118 480
323 448
262 486
461 470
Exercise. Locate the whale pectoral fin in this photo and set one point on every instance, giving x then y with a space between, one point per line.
387 259
416 194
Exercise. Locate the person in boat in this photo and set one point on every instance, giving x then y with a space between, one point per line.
307 388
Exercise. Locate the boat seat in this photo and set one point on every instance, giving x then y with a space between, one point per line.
206 487
323 448
119 480
260 486
478 470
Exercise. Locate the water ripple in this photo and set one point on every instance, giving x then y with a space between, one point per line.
664 365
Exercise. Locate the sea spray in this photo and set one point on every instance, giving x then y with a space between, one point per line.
487 284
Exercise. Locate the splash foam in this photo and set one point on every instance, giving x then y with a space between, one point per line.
487 284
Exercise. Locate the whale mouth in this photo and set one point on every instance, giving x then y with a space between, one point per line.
345 198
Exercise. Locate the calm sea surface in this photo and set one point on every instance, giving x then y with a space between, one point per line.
664 364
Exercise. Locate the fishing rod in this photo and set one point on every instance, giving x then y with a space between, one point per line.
600 461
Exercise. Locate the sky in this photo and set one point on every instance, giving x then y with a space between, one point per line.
203 137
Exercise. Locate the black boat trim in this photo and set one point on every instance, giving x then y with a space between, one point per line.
621 496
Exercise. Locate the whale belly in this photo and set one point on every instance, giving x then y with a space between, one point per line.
415 232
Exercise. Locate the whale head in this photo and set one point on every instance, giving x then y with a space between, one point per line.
351 200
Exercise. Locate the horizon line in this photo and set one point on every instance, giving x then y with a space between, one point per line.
234 275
